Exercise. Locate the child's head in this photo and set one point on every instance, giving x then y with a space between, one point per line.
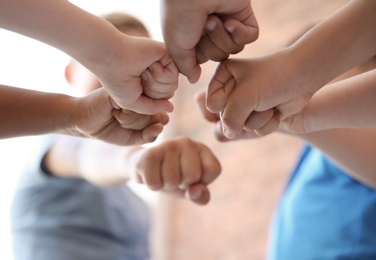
79 76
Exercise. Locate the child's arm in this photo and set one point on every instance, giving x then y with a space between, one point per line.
193 33
173 166
27 112
286 80
116 59
347 103
352 149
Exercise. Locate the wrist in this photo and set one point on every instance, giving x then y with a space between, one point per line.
102 57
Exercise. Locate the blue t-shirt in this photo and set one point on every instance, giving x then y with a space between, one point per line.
323 215
71 219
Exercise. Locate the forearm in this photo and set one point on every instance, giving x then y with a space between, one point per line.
27 112
345 104
352 149
95 161
85 37
344 40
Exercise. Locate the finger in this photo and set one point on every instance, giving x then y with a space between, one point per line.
181 39
161 77
167 72
238 108
258 119
234 116
187 64
200 55
242 33
220 36
190 163
218 133
149 106
200 101
132 120
151 169
211 168
294 124
210 51
198 193
156 89
171 173
211 47
219 89
269 127
146 135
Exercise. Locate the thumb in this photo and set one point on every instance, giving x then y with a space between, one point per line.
198 193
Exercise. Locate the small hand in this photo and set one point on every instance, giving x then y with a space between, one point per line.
95 116
141 77
176 165
254 94
184 23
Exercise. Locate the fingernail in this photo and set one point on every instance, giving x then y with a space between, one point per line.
229 134
196 195
230 29
210 25
144 76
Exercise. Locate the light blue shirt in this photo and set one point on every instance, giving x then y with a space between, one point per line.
323 215
71 219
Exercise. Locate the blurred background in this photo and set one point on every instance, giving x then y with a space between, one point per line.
234 225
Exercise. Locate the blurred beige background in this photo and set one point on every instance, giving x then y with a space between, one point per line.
234 225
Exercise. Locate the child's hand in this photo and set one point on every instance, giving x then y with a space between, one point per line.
215 119
191 40
160 79
240 88
95 116
141 77
177 166
217 43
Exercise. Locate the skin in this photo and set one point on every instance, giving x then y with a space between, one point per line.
256 94
346 104
338 116
108 54
196 31
27 112
180 167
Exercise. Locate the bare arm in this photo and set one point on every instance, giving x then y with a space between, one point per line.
347 103
286 80
64 26
339 43
176 166
352 149
336 120
27 112
116 59
97 162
